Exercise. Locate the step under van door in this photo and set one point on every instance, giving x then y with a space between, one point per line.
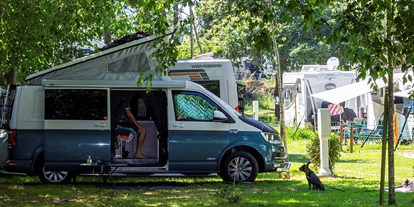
77 125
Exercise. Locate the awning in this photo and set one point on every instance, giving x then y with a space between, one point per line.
345 93
403 94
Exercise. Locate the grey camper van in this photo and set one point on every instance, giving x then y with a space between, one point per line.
69 113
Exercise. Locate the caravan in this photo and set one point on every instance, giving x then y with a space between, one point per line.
300 106
216 75
373 108
70 113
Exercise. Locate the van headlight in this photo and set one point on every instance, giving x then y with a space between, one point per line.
272 138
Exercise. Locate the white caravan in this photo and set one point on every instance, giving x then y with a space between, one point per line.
216 75
374 102
300 106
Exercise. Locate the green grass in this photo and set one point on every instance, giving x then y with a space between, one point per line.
357 174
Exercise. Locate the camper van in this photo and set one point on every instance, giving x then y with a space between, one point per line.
216 75
68 117
300 106
55 127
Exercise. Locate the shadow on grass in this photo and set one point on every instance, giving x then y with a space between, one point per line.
272 185
301 158
355 161
200 184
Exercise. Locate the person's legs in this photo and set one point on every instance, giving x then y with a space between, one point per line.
141 138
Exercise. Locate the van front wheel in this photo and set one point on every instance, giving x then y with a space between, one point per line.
54 177
239 167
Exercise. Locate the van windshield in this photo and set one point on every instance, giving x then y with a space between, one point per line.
223 104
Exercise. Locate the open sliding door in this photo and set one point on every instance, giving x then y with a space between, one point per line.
77 125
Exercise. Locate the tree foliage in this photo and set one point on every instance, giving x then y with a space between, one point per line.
379 35
35 35
232 32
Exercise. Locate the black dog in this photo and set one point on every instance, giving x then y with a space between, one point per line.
312 178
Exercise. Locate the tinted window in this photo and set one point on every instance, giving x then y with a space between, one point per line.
192 106
212 86
76 104
131 64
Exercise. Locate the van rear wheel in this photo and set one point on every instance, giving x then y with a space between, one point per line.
54 177
239 167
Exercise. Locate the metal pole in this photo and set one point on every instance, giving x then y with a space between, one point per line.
351 139
341 133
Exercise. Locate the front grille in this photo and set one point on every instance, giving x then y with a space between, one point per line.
278 155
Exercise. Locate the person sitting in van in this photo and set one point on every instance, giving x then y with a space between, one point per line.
128 121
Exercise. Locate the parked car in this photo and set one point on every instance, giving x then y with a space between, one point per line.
3 148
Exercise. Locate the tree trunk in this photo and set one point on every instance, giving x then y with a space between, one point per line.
107 37
277 105
391 176
195 30
384 148
11 76
282 131
391 57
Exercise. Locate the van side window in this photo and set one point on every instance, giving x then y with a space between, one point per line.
193 106
76 104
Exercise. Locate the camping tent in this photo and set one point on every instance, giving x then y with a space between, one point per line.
123 62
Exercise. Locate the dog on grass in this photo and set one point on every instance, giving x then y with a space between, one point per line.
313 179
406 187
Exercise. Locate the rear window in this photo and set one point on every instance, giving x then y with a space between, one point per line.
76 104
7 100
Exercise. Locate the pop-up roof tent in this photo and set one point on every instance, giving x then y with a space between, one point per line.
123 62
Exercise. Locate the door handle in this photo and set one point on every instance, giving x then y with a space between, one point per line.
100 125
178 125
234 131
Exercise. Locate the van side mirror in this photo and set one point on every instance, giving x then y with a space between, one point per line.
219 116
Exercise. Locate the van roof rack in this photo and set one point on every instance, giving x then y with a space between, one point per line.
113 83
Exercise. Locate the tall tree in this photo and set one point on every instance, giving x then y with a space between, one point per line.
380 37
37 34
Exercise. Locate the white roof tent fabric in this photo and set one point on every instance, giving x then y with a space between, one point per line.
403 94
345 93
123 62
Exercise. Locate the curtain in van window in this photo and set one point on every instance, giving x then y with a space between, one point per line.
193 107
119 101
156 103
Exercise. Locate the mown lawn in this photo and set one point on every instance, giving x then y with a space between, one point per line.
357 176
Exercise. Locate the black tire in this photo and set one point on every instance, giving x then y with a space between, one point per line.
239 167
53 177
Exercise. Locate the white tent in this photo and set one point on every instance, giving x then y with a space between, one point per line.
403 94
124 62
345 93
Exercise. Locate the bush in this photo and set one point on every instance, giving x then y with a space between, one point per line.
266 102
301 133
313 148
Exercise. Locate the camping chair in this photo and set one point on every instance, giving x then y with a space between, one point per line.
374 135
360 129
123 135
